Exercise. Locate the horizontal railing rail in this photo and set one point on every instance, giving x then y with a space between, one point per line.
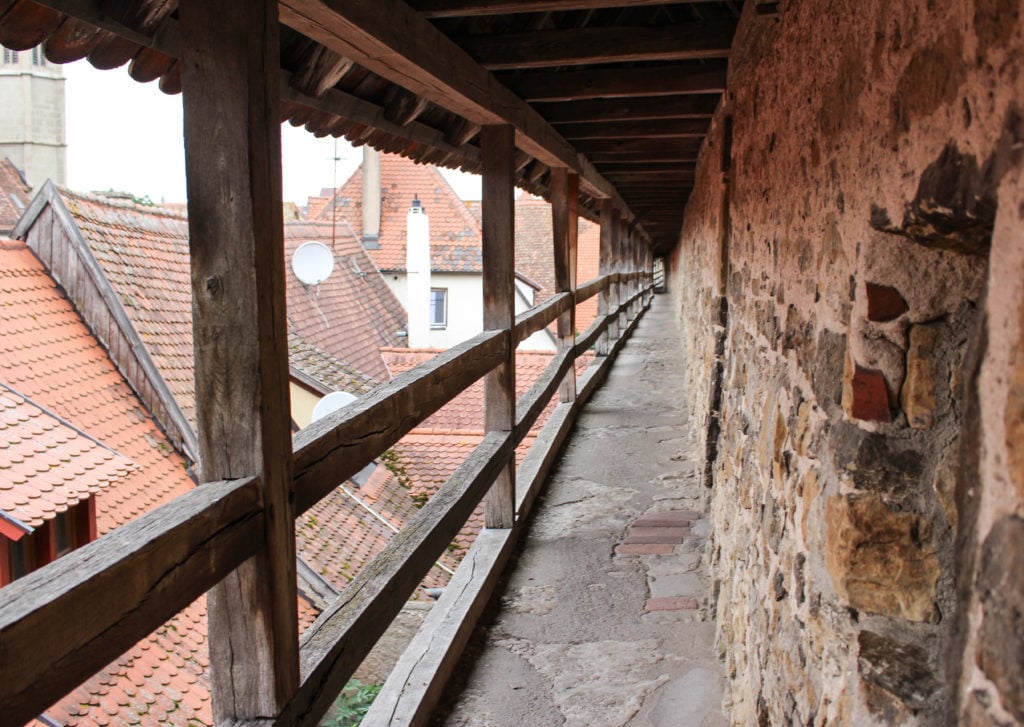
66 621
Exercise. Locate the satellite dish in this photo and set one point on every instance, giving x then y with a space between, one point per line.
331 403
313 263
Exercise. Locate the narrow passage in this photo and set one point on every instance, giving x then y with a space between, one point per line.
604 619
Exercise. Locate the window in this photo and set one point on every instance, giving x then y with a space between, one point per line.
64 532
22 555
10 56
438 307
37 57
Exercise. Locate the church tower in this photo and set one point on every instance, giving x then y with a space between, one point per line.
32 115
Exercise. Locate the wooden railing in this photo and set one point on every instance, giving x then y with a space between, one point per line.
64 622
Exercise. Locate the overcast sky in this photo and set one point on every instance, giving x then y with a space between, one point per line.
127 136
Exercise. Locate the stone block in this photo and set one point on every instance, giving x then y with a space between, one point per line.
881 561
1001 586
827 376
876 462
900 669
1013 416
669 518
645 549
918 396
868 395
658 532
884 303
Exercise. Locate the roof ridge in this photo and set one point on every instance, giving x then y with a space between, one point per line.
154 209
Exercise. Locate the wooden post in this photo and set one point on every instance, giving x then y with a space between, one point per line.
622 265
497 155
565 192
606 299
230 82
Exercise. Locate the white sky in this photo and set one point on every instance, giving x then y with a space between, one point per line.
127 136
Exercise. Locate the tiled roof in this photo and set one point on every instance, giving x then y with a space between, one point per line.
143 251
325 369
48 355
455 236
535 252
46 465
352 313
466 411
14 195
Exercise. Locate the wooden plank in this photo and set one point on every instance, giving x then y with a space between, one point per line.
591 288
497 153
534 401
591 336
397 43
530 321
593 83
341 637
565 195
606 44
331 450
61 624
629 109
462 8
236 237
605 266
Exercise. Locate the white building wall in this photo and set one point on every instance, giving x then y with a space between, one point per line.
465 309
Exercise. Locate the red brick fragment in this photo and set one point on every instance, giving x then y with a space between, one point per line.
664 532
668 519
885 303
870 396
671 603
631 539
645 549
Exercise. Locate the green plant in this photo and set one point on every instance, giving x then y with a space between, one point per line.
352 704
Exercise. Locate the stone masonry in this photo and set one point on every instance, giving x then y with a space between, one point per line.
850 280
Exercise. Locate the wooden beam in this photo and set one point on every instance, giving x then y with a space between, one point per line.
497 153
656 176
397 43
608 44
565 195
638 146
470 8
609 296
331 450
633 109
593 83
636 129
591 288
61 624
236 236
530 321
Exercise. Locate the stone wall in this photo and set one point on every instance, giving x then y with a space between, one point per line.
850 277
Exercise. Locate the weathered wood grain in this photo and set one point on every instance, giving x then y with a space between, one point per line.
533 402
592 287
331 450
497 152
574 85
338 640
565 193
236 240
534 319
61 624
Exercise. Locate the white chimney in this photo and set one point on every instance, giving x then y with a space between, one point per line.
417 275
371 198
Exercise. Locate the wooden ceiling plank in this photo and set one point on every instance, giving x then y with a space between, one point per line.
657 107
575 85
476 8
669 156
609 44
319 70
641 129
654 147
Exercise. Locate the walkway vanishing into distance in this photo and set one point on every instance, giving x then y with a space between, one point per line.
604 618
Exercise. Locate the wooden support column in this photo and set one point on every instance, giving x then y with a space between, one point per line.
233 162
565 194
607 299
621 266
497 156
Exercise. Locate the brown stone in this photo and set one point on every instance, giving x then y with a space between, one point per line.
647 539
1001 585
881 560
671 603
869 395
669 518
884 303
659 532
918 396
899 668
645 549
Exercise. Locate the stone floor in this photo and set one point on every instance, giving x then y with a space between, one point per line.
604 618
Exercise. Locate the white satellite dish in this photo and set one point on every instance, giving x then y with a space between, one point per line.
330 404
313 263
